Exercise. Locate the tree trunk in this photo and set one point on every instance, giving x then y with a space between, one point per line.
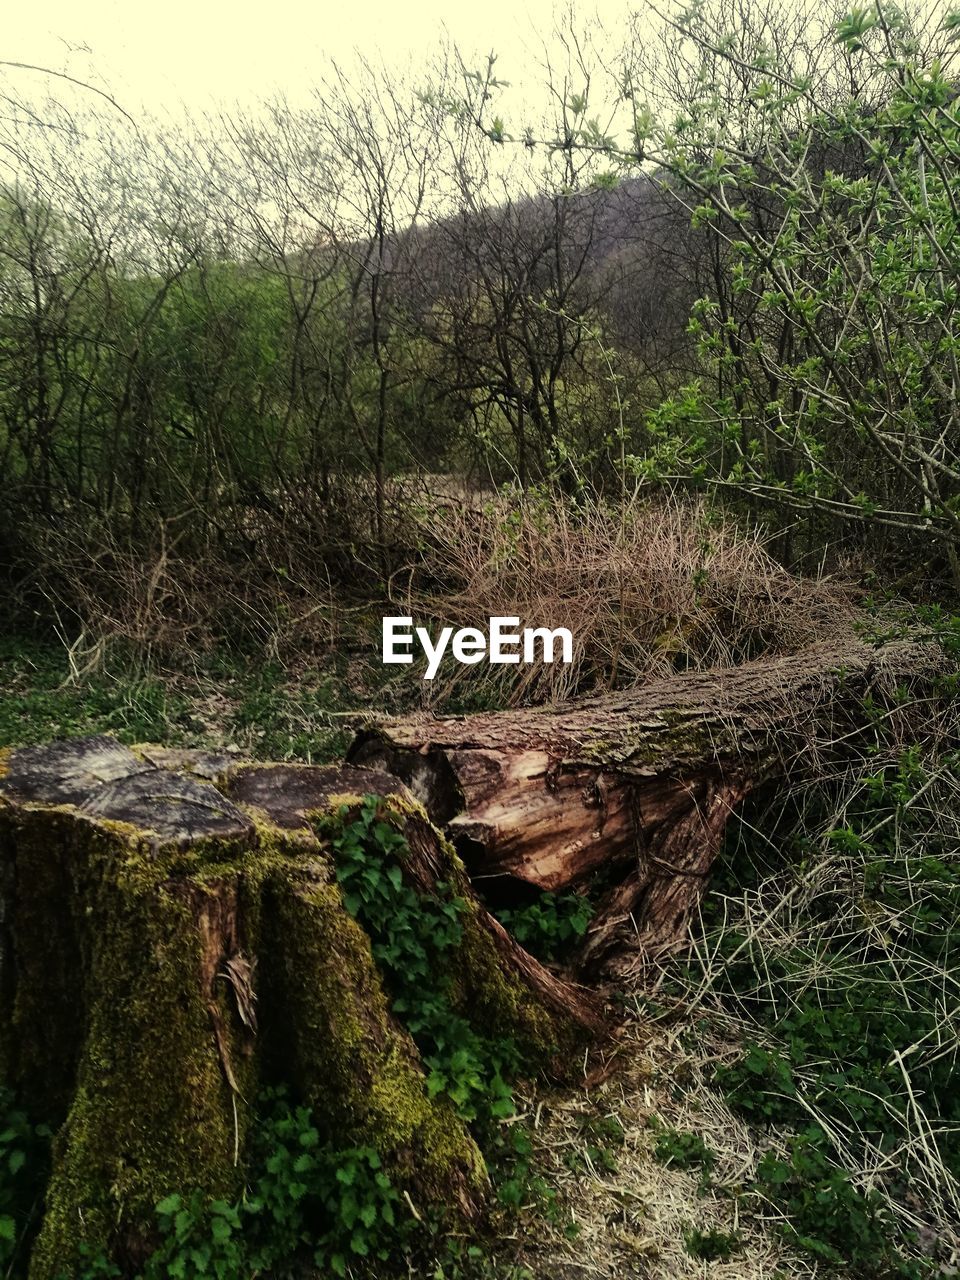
174 936
633 790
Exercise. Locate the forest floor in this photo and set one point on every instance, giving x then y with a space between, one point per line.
653 1172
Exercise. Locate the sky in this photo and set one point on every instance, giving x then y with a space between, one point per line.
197 53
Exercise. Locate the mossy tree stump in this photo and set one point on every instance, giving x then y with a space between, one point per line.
173 937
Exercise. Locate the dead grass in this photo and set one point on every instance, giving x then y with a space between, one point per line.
866 923
632 1220
647 588
286 576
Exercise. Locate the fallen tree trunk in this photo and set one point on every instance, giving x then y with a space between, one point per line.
636 788
175 934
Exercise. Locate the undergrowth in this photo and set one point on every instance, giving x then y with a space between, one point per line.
24 1166
309 1208
413 936
551 925
841 968
306 1204
647 587
221 701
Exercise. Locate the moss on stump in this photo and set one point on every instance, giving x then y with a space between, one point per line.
173 938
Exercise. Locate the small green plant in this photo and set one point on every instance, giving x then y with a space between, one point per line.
24 1162
199 1240
684 1150
339 1203
551 925
96 1265
306 1203
410 935
462 1261
601 1138
712 1245
829 1216
761 1085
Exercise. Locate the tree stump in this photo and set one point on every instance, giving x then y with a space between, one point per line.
634 789
173 937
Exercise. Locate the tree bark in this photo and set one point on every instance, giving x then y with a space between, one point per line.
173 937
634 789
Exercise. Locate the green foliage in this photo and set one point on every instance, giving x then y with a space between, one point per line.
276 721
306 1203
600 1137
848 232
39 704
24 1160
760 1085
198 1240
549 927
712 1245
683 1150
412 934
827 1214
305 1200
227 701
462 1261
853 1008
517 1182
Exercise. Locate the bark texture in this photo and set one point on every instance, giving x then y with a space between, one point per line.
173 937
636 787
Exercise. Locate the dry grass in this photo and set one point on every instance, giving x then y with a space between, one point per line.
646 588
632 1219
847 939
270 579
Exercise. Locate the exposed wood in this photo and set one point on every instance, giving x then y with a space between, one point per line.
637 787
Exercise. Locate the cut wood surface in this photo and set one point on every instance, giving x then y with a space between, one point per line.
173 938
637 787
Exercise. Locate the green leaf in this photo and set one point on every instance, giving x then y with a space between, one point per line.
220 1229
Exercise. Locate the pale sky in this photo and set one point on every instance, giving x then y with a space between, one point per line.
200 52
